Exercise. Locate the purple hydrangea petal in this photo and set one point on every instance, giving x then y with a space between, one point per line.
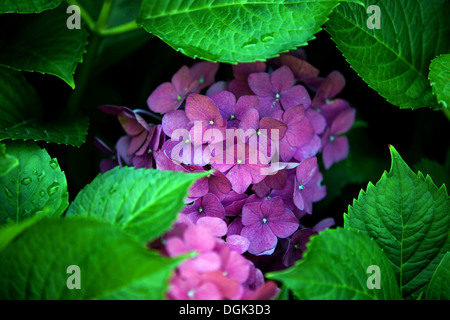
282 79
343 122
164 98
240 178
262 240
260 84
297 95
238 243
226 102
306 170
334 83
204 72
335 151
174 120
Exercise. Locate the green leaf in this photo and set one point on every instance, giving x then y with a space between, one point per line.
44 44
7 161
35 186
28 6
409 218
234 30
22 114
439 287
335 267
111 264
394 59
439 77
142 202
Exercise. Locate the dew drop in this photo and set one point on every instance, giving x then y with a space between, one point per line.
42 193
250 44
26 181
8 193
267 37
53 163
35 172
53 188
41 176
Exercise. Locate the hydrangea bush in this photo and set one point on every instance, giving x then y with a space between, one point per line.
239 208
218 144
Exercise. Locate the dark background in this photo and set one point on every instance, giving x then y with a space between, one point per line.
126 75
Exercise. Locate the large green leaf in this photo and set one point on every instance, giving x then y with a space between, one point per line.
234 30
27 6
35 186
43 43
142 202
112 264
440 79
22 114
409 217
336 266
394 59
439 287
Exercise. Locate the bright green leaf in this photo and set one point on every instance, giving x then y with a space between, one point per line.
394 59
44 44
27 6
35 186
409 218
111 264
234 30
336 267
142 202
7 161
439 287
439 77
22 115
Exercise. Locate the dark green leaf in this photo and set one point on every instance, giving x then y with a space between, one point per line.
112 265
439 287
142 202
44 44
335 267
22 115
234 30
409 218
27 6
394 59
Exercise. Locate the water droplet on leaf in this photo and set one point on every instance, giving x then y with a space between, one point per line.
42 193
267 37
250 44
53 188
53 163
41 176
26 181
8 193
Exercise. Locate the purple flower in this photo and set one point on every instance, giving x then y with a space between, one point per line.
244 168
299 131
202 110
298 241
277 91
142 141
207 206
265 222
307 185
239 85
335 147
231 110
170 95
303 71
204 72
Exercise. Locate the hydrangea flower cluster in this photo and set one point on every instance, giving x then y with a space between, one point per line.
251 204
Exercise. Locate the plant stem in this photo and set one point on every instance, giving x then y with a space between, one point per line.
102 21
124 28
